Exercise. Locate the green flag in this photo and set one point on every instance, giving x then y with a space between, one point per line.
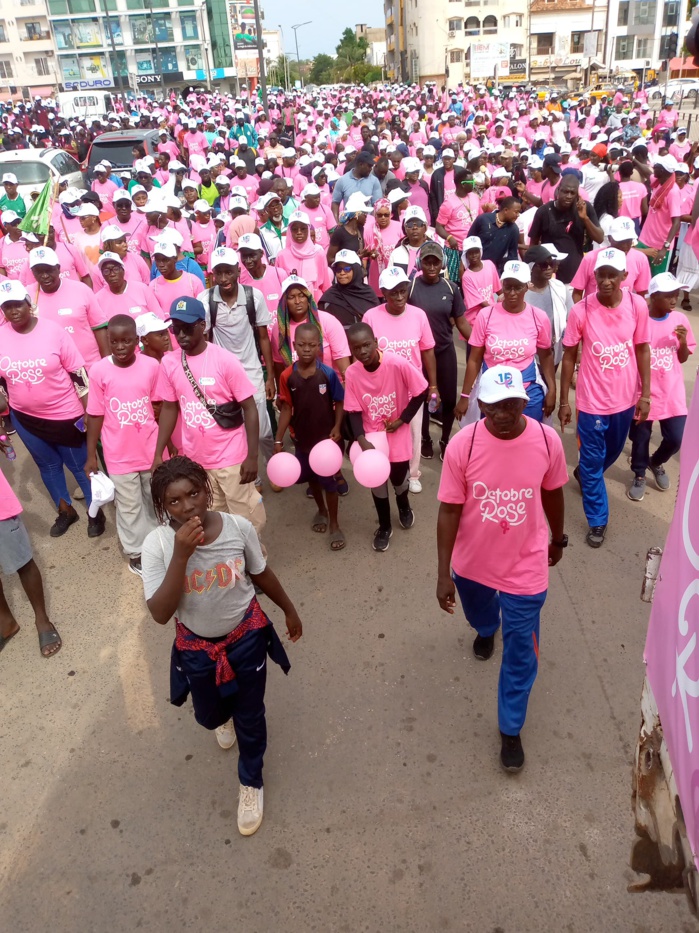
38 216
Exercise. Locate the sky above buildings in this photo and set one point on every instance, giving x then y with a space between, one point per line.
328 22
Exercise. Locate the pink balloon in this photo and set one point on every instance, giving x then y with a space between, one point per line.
379 439
354 452
325 458
372 468
283 469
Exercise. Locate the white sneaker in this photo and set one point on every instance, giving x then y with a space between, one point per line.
225 735
250 806
414 485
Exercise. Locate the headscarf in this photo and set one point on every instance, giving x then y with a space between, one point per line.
356 297
284 323
301 251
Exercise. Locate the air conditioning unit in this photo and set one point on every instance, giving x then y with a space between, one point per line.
192 61
452 33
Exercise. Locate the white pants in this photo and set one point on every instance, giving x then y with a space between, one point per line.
416 437
134 510
266 439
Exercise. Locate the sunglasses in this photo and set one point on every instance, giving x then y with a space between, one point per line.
344 269
548 264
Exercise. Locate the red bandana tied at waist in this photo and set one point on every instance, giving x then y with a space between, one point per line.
185 640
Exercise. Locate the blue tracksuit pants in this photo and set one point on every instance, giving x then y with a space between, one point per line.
601 439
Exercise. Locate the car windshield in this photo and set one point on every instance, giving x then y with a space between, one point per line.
118 152
28 173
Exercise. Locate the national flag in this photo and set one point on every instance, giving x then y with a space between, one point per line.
38 216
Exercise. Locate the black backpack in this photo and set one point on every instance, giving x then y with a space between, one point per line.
249 307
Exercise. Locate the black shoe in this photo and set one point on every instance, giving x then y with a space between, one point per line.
135 566
511 753
576 475
483 647
309 493
406 517
63 523
442 448
96 525
427 450
595 536
381 538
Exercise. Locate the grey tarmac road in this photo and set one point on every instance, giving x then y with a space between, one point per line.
385 806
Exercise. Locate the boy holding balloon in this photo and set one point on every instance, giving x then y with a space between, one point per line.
311 398
383 392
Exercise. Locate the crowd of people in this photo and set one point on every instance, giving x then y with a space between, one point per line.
271 280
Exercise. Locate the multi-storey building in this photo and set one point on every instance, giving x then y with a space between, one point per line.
28 65
644 34
566 40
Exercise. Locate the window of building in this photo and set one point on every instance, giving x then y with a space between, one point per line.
118 64
144 63
168 61
668 46
5 69
576 42
456 55
70 67
114 26
3 34
142 29
455 24
190 26
623 15
42 66
61 7
193 57
162 24
624 48
544 43
472 26
490 25
64 34
671 13
643 47
86 33
644 12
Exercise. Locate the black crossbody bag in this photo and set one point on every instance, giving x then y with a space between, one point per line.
227 416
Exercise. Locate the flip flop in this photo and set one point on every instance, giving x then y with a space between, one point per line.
337 538
319 520
47 639
4 641
342 487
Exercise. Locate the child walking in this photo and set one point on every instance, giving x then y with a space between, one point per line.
312 397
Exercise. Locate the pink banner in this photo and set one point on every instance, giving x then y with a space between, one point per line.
672 649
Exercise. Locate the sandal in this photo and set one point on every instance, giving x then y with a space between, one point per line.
47 639
342 487
337 541
319 523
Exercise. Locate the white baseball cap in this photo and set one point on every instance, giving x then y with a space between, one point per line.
292 280
224 256
472 242
347 256
12 290
622 228
110 257
238 203
121 195
414 212
8 177
611 257
9 217
299 217
150 323
392 277
202 206
249 241
43 255
516 270
88 210
111 232
165 248
449 153
311 190
663 282
500 383
668 162
358 203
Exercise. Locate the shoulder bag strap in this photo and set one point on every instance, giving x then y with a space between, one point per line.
195 388
213 312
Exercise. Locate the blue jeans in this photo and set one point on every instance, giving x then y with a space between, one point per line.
671 430
51 459
484 607
601 439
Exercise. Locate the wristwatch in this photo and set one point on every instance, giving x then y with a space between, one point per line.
666 245
562 543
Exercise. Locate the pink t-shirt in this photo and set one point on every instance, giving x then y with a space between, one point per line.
13 257
335 346
74 306
656 226
632 195
36 367
382 396
136 299
135 231
479 287
511 339
405 334
10 505
195 144
668 394
124 396
608 378
168 290
458 215
206 235
271 287
449 184
637 272
502 541
221 378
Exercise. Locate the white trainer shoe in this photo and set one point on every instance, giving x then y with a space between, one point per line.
250 807
414 485
225 735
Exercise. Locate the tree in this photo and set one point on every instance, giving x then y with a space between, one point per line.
350 53
323 70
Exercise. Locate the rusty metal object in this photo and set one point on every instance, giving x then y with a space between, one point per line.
650 576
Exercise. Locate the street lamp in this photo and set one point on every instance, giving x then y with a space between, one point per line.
296 39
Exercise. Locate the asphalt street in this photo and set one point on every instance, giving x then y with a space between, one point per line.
385 806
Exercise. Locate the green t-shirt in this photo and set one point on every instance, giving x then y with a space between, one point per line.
18 205
209 194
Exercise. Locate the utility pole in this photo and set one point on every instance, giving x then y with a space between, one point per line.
261 56
296 38
119 79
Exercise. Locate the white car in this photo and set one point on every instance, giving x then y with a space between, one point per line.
33 167
677 89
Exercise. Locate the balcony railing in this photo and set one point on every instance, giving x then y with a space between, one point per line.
36 37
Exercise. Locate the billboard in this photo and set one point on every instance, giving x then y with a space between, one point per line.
485 56
243 28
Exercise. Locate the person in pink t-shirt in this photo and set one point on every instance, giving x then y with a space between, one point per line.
70 304
253 271
662 222
46 390
193 141
172 283
123 390
71 260
133 225
196 383
384 392
622 237
671 344
13 253
613 328
502 482
121 297
480 282
404 329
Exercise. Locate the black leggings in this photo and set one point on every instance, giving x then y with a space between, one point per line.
446 385
400 472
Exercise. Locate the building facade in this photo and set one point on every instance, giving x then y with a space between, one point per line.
28 62
645 33
566 40
376 41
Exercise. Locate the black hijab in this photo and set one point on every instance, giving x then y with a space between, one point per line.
349 302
